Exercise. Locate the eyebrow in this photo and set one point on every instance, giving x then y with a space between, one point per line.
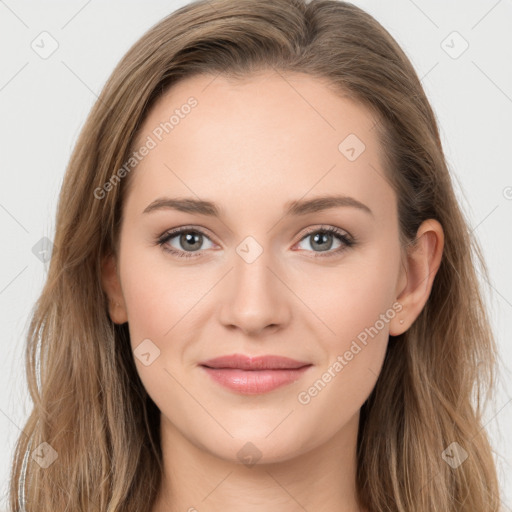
292 208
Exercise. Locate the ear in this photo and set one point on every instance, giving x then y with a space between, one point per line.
418 272
112 287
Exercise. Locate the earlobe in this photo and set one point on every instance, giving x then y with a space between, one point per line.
112 287
422 263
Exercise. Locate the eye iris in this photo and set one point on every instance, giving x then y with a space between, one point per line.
322 236
189 237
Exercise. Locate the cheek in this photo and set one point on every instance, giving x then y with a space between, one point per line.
355 305
357 310
349 298
158 299
157 293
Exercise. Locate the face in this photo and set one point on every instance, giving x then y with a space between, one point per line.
267 270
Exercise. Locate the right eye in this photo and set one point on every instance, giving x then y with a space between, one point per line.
188 238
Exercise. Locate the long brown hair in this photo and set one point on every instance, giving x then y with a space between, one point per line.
91 409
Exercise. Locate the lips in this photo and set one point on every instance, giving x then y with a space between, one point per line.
254 375
243 362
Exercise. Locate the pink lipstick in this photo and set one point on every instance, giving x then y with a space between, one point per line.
254 375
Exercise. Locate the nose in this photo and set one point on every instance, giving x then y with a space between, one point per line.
256 300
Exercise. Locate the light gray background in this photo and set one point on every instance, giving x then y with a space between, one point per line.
44 103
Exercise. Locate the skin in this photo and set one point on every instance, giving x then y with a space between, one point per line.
251 147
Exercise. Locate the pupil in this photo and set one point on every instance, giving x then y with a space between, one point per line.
189 239
322 236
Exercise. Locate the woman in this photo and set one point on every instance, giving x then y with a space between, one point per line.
249 371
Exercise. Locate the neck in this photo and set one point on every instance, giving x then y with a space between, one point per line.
321 479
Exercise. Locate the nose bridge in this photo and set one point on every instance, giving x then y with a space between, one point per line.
256 297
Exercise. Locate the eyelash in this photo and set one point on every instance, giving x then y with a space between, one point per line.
163 239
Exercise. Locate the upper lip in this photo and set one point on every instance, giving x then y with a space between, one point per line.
243 362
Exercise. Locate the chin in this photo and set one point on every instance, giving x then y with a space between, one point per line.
254 448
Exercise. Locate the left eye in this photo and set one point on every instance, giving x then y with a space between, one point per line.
323 239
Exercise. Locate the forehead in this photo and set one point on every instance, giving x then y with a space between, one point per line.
270 135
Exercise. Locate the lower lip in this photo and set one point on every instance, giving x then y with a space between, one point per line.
254 382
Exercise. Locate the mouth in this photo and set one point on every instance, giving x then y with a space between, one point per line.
254 375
